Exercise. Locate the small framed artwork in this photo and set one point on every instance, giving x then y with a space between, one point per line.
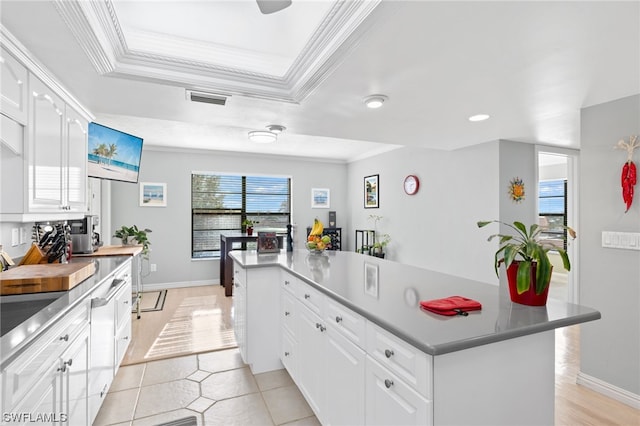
372 192
267 242
153 194
371 279
320 198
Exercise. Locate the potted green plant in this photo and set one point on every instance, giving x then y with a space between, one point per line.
248 224
131 234
526 260
378 247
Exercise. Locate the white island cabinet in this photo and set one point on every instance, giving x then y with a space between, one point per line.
362 351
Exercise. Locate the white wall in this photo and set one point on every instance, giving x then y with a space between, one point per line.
609 278
436 228
171 225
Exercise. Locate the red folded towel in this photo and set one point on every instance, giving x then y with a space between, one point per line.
453 305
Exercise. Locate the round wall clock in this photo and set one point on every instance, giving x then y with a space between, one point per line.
411 184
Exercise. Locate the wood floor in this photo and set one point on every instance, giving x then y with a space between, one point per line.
575 404
184 326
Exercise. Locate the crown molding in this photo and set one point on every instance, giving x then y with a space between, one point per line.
95 26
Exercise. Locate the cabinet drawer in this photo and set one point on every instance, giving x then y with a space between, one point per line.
123 305
348 323
239 274
413 366
311 298
288 312
391 401
288 356
30 366
123 337
289 283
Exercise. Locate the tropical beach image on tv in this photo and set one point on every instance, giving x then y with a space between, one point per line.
113 154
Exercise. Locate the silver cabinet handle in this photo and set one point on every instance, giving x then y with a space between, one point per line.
317 325
338 319
286 354
388 383
65 337
306 296
287 313
286 282
388 353
126 302
125 338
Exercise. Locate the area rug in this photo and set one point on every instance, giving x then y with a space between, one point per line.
152 301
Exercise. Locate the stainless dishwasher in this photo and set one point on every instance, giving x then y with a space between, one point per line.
102 357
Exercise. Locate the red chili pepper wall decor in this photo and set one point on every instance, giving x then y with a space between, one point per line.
629 172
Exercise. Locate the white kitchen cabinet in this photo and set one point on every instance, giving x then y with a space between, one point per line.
13 99
289 320
240 310
50 379
256 298
345 374
75 381
44 147
311 359
57 153
390 401
331 367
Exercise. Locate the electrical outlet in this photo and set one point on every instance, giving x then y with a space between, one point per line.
154 267
15 237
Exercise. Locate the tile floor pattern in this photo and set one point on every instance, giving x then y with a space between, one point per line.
216 387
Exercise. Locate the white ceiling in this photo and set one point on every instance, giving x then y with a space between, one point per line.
531 65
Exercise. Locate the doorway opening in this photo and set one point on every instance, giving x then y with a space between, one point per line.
557 208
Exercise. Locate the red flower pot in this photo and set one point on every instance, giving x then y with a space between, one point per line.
529 297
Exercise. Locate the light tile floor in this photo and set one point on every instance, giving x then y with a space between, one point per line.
216 387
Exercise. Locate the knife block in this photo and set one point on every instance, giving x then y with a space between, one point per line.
34 256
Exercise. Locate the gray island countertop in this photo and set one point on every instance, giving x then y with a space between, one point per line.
392 300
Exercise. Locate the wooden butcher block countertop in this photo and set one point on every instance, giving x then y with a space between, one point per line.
114 251
40 278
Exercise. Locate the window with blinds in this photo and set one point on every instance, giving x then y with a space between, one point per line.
220 203
552 208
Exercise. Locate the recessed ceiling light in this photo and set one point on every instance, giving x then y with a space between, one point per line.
262 136
276 128
479 117
375 101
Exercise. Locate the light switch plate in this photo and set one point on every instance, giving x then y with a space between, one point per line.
621 240
15 237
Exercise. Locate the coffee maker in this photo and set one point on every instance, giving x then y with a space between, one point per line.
84 238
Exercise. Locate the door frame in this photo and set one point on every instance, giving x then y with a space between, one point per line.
573 165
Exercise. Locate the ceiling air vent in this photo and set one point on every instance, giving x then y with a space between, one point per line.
207 98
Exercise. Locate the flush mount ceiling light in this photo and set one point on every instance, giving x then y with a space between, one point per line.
276 128
262 136
375 101
479 117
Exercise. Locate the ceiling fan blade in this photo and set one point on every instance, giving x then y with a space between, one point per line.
270 6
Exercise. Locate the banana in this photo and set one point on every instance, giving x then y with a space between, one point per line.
317 228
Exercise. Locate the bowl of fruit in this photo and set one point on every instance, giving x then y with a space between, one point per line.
316 242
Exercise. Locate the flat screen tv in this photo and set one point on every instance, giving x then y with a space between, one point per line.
113 154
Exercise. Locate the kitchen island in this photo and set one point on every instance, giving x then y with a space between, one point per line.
349 330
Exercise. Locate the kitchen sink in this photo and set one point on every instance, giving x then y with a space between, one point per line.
14 310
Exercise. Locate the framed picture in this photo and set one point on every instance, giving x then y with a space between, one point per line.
267 242
371 279
372 192
320 198
153 194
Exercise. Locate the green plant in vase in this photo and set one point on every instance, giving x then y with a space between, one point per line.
132 234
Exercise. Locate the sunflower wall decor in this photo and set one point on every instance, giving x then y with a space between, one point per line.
516 190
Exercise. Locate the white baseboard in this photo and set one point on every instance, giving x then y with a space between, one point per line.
179 284
629 398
